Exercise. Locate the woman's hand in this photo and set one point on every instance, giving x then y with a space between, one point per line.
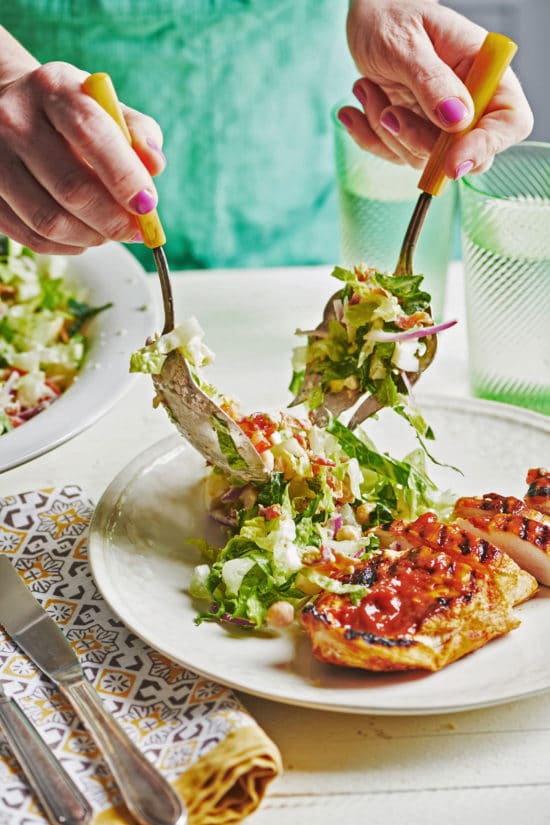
68 178
413 56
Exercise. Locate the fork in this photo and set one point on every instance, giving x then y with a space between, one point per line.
61 800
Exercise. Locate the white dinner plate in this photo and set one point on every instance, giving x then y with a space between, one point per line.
105 274
142 564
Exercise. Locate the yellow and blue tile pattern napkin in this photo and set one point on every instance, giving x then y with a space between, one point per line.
195 731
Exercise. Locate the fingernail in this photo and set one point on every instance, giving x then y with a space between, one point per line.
143 202
360 94
155 147
463 168
137 238
345 119
451 111
390 122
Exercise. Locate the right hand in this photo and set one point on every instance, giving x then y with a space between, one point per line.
68 178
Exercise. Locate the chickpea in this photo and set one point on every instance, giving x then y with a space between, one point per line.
248 497
280 614
362 513
348 533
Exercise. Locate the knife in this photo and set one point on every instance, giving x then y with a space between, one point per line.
147 795
61 800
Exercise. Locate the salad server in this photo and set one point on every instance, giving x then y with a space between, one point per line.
60 798
147 795
492 60
198 418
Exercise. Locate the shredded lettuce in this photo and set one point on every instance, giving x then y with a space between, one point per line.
186 338
227 445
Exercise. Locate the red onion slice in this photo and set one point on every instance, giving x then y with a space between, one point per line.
409 334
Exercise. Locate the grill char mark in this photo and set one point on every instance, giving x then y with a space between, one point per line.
372 639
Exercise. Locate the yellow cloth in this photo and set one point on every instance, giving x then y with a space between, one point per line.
196 732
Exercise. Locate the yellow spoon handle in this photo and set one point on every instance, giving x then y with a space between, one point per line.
100 87
490 63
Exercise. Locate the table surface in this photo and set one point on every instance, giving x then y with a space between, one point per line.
484 766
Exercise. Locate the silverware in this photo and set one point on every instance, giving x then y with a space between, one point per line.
60 798
147 795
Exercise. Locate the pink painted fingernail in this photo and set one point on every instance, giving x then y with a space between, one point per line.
137 238
463 168
360 94
451 111
345 119
155 147
390 122
143 202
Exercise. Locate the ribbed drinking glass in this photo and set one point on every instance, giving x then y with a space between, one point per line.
505 219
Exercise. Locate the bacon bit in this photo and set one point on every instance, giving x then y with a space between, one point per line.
269 513
257 422
354 299
326 462
364 273
337 488
261 444
258 427
300 439
293 421
53 387
417 319
7 291
317 462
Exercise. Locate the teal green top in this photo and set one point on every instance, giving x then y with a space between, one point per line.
242 90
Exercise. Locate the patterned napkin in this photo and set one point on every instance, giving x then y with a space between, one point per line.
195 732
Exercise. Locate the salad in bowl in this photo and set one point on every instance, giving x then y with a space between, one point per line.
42 332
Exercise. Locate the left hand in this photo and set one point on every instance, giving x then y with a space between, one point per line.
413 56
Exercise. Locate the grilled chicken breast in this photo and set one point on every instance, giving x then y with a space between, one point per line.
423 607
538 493
517 584
520 531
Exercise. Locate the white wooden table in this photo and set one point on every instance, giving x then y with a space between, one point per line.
474 768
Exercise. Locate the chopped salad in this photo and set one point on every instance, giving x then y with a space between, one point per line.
374 343
42 343
328 488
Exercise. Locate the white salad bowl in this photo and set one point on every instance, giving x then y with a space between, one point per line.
106 274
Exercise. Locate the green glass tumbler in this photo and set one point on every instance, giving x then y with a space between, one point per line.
505 227
376 200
